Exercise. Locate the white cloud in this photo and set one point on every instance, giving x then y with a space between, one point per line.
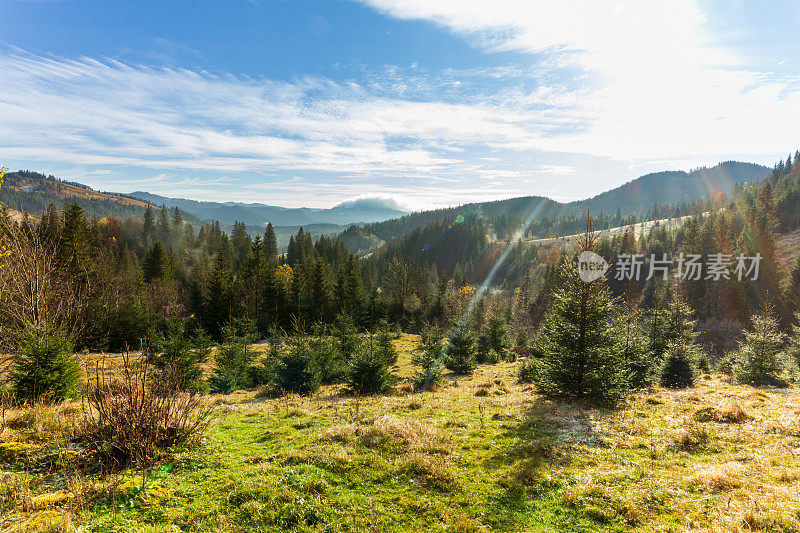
662 87
634 85
92 112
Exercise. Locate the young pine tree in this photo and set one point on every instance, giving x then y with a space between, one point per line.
579 343
760 360
426 357
497 332
460 352
383 345
46 367
332 363
234 359
369 371
178 357
636 353
793 349
294 368
679 369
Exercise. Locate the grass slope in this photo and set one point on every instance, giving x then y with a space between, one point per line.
480 454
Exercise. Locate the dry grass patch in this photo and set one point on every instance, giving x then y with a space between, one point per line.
730 412
692 437
414 434
432 471
391 430
719 478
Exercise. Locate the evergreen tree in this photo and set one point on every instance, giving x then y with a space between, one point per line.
163 226
156 264
483 349
295 370
427 358
75 244
369 372
497 334
240 243
178 357
760 360
148 228
219 304
680 365
346 335
46 367
384 347
581 356
177 219
349 290
233 359
319 291
793 350
460 352
270 243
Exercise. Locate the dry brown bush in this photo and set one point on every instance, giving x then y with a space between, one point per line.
130 421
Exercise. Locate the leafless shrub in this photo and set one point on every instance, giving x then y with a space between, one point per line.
35 285
130 421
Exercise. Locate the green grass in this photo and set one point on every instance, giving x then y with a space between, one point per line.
447 460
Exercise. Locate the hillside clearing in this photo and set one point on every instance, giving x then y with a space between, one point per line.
717 457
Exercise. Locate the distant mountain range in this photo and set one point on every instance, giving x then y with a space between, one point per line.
638 196
381 218
351 212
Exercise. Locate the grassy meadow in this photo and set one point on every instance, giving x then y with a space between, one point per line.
481 453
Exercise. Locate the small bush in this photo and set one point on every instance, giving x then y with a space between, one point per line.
460 353
129 421
426 357
680 365
234 358
295 369
527 370
46 367
760 360
369 371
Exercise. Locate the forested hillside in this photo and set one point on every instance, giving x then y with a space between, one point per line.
451 341
124 271
649 197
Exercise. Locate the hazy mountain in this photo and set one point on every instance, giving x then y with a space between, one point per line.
256 214
383 218
638 196
672 187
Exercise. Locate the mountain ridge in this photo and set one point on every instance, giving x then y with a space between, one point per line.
385 219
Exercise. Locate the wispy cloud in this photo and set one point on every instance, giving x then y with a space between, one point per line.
661 85
103 112
604 89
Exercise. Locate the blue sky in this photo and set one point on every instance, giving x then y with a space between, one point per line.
428 102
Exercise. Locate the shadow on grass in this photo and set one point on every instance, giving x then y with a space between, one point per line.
544 440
